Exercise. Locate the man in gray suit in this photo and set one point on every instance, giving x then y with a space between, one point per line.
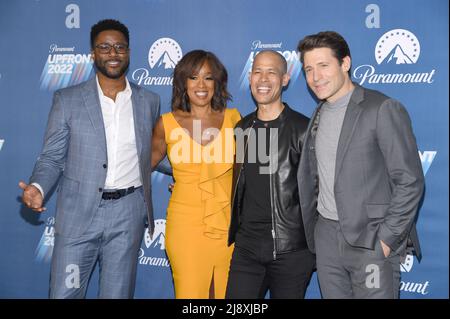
360 177
98 138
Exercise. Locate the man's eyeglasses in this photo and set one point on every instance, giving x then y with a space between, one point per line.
105 48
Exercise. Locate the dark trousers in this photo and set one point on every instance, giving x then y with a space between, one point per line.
253 271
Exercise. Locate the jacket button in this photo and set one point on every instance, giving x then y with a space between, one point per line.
105 166
100 190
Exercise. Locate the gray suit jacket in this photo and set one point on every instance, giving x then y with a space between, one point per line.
378 179
75 145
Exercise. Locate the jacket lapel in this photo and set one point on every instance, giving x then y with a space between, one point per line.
310 139
92 104
348 126
139 117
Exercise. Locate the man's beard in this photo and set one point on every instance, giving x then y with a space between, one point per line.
103 70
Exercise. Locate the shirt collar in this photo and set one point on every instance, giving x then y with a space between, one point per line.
127 92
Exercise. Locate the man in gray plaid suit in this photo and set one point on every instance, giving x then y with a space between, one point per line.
98 138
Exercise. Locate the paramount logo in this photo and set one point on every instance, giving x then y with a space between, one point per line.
155 245
394 49
291 56
1 144
258 45
163 56
158 238
399 46
44 250
152 261
366 73
64 67
415 287
407 265
142 77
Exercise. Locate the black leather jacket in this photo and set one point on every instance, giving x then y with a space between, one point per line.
287 225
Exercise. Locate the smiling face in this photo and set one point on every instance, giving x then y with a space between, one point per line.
111 65
267 78
326 77
200 87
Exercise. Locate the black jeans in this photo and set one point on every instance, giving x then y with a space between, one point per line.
253 271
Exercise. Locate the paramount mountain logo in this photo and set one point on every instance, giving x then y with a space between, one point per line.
397 46
394 49
164 51
406 266
399 56
159 235
155 246
166 61
163 56
1 144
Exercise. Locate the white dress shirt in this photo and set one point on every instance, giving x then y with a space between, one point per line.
123 163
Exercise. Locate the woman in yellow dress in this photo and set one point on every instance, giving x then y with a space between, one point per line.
197 137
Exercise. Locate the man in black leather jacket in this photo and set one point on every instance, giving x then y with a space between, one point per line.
270 252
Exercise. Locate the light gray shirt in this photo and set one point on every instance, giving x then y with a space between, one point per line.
327 138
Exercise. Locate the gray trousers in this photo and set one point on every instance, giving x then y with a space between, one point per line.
345 271
113 240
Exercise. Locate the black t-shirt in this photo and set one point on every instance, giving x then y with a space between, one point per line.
256 211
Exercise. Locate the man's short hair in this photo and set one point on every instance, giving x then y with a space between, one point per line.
109 24
325 39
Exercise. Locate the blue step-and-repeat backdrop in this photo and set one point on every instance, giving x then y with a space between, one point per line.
398 47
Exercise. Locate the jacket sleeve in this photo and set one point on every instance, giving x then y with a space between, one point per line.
51 160
398 145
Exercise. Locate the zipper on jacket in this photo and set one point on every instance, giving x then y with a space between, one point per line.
271 197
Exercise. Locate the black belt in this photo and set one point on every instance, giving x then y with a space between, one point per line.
119 193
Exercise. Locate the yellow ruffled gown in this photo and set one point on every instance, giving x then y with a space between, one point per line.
198 214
